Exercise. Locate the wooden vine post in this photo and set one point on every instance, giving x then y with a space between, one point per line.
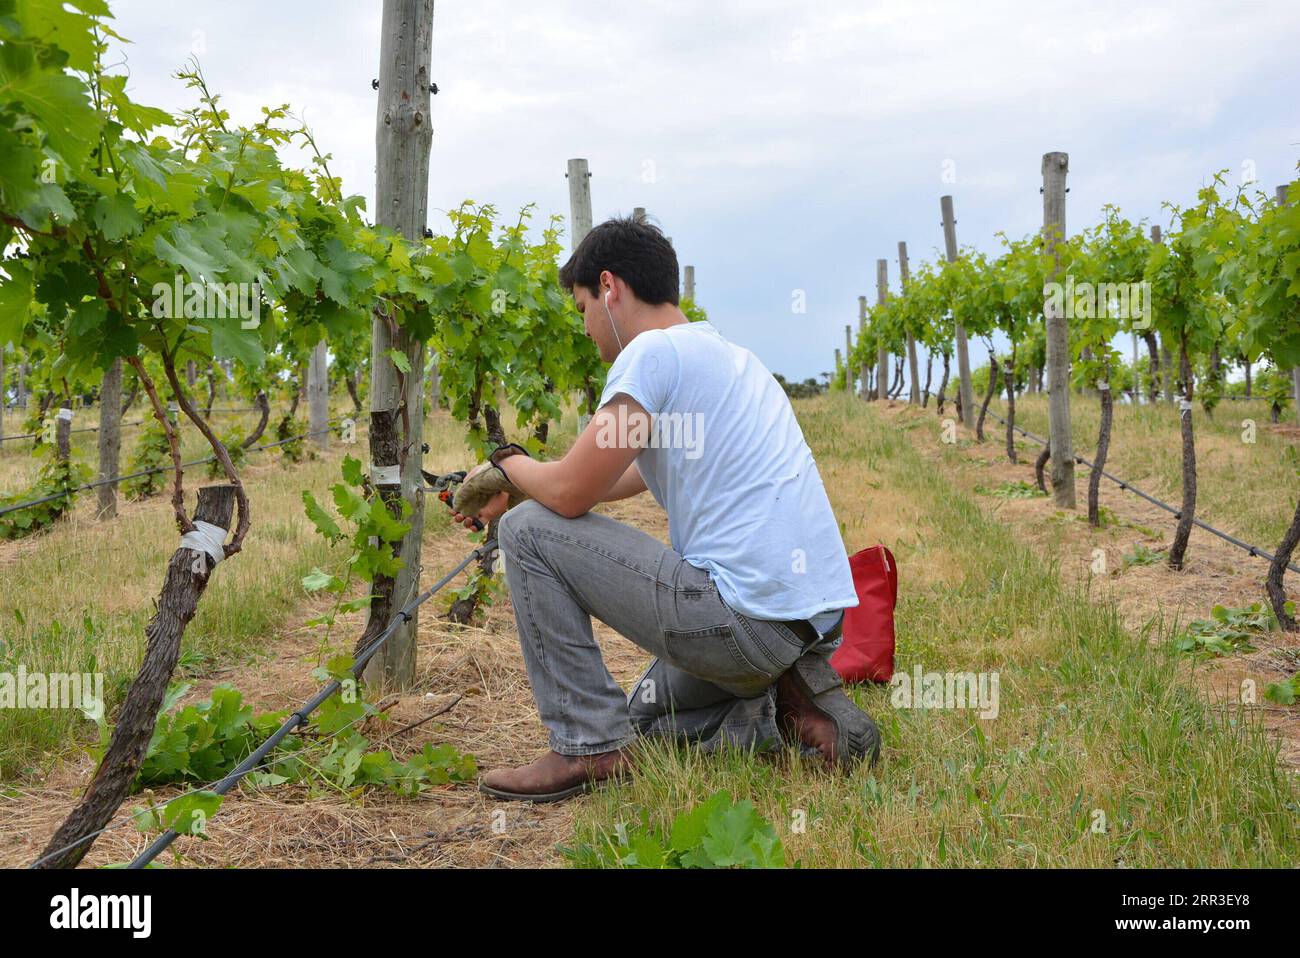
580 210
965 392
63 432
1280 195
318 396
913 370
110 439
882 350
1060 441
386 454
403 138
579 177
848 353
864 387
1167 376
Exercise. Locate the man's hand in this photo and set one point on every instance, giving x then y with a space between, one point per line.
495 508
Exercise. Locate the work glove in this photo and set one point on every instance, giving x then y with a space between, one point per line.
483 483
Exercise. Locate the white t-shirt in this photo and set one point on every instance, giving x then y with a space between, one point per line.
729 464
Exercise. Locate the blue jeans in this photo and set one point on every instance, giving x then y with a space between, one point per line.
711 679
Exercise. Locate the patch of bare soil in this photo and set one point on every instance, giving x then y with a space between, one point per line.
1215 572
474 672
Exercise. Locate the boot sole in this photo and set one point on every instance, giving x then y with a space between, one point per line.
857 736
504 796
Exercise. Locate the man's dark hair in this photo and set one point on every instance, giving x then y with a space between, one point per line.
635 251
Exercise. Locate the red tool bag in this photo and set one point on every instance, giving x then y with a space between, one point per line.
866 653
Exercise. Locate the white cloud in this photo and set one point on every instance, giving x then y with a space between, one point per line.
790 140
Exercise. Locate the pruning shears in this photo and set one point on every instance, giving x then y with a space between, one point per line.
445 488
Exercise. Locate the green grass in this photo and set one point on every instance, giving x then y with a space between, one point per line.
1096 726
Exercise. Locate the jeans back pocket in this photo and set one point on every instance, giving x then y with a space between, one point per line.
715 654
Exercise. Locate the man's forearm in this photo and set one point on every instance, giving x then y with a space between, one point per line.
542 481
589 472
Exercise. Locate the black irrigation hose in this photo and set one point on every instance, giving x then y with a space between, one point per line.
300 717
147 472
1177 513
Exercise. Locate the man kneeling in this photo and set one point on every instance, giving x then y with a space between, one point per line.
741 613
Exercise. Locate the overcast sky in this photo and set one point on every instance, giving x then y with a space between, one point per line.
784 146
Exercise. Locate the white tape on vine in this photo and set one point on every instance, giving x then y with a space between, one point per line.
386 475
206 539
1103 387
65 415
1184 405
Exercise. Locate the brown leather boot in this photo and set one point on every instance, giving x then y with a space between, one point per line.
812 710
555 777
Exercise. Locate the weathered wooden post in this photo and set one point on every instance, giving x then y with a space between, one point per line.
864 373
837 360
1166 356
318 396
110 439
913 370
579 200
403 138
435 384
1137 389
638 214
882 351
1055 168
690 283
580 217
63 432
848 358
1280 195
965 392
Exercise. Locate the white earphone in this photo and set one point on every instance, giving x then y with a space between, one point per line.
611 320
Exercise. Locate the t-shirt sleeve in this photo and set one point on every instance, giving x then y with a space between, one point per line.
647 371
